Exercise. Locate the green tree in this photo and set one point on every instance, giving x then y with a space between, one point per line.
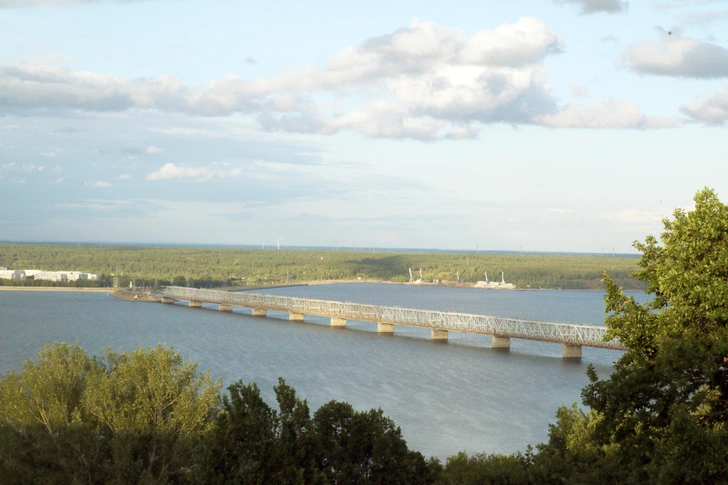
365 448
127 418
484 469
179 281
45 436
156 407
255 444
661 416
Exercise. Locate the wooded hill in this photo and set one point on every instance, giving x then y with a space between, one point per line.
215 267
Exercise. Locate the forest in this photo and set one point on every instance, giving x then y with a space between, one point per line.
214 267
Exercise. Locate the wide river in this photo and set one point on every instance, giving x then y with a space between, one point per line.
446 397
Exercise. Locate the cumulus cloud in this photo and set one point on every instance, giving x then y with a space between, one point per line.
424 82
202 174
124 177
609 114
153 150
595 6
36 86
101 184
675 55
431 76
712 110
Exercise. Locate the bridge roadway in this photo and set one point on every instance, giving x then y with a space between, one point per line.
573 337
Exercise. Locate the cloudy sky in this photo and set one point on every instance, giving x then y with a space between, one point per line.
564 125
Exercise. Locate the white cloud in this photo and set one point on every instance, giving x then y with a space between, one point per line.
557 210
125 177
579 91
101 184
59 180
675 55
431 76
594 6
609 114
713 109
15 167
633 217
202 174
153 150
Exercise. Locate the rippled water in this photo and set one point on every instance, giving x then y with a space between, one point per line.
446 397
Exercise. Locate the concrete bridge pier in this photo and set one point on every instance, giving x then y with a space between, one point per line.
167 299
571 351
501 342
385 327
438 335
259 312
295 317
224 307
338 322
195 304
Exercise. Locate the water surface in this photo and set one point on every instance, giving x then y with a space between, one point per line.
446 397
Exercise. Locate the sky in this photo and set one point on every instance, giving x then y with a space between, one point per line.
552 125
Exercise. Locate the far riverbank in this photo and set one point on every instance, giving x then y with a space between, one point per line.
55 288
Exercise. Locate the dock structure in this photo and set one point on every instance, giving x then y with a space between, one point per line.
502 330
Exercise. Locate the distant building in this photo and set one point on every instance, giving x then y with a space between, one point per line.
39 274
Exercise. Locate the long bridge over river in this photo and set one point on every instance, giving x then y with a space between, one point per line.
572 337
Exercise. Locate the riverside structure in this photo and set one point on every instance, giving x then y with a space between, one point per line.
572 337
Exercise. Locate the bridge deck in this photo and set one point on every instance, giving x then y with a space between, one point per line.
564 333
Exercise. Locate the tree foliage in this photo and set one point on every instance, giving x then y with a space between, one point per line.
661 416
126 418
215 267
148 417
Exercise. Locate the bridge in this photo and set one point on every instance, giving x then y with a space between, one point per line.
572 337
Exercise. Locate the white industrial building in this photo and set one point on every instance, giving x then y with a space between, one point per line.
39 274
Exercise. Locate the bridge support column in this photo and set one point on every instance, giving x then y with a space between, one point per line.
167 299
224 307
501 342
439 335
259 312
295 317
571 351
195 304
385 327
338 322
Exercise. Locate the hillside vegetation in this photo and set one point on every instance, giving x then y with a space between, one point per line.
214 267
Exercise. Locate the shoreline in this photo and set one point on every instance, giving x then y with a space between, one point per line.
55 288
111 291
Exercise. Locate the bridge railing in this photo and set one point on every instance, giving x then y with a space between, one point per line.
565 333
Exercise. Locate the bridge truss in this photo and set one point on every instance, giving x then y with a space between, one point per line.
564 333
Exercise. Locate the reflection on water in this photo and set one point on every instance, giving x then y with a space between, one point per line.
446 397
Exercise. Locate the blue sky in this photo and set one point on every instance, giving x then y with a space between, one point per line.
573 125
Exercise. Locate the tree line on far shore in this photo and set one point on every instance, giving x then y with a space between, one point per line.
214 267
